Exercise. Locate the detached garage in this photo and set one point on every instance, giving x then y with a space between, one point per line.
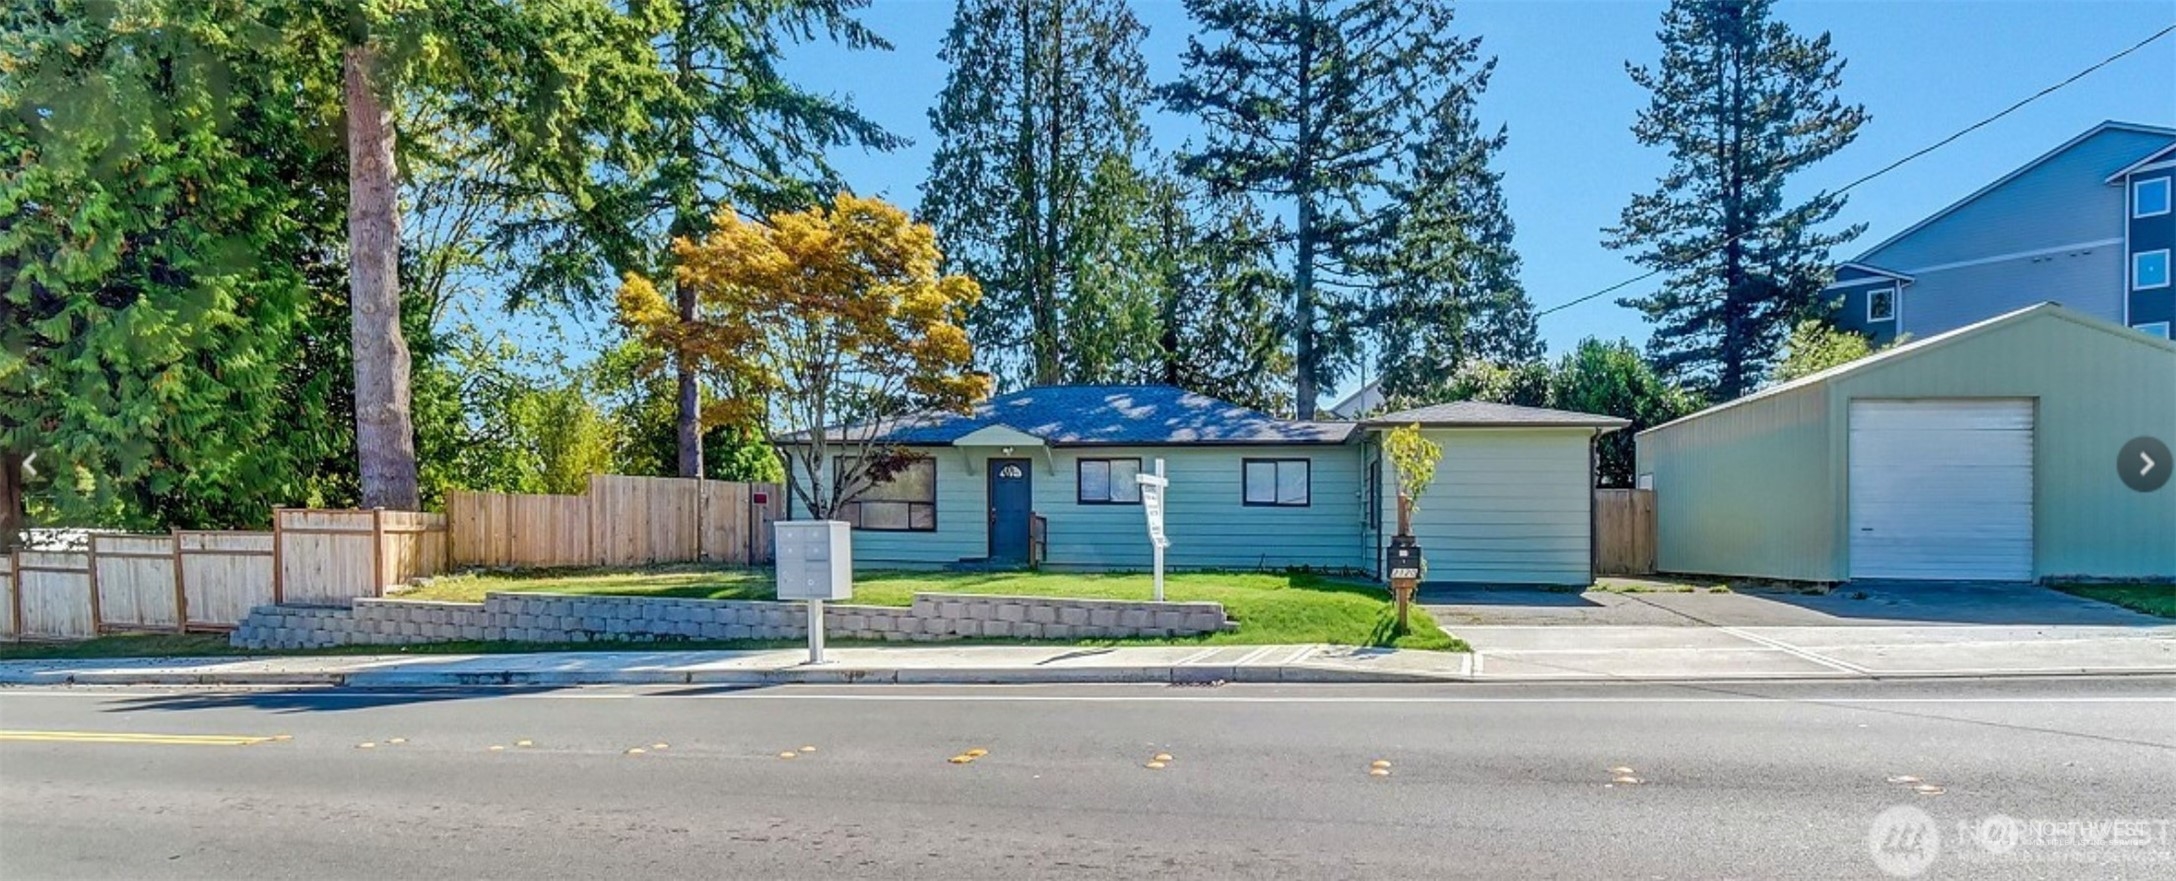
1994 452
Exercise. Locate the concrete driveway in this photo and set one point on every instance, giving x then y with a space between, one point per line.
1856 604
1860 631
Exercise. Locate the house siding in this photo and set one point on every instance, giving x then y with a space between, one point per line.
1204 517
1208 526
1760 489
1746 491
2063 201
963 524
2147 234
2087 280
1508 506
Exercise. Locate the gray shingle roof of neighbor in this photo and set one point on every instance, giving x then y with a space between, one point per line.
1481 414
1136 415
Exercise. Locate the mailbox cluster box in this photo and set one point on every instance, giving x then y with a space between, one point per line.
815 560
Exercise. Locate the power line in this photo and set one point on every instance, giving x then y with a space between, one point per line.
1891 166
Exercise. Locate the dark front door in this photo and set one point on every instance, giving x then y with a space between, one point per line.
1012 503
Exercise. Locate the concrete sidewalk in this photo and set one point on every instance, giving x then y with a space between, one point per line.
961 665
1584 653
1556 653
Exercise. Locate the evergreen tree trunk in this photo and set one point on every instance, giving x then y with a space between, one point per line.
385 442
1303 281
688 411
11 502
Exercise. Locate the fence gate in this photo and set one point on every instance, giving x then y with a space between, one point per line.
1624 532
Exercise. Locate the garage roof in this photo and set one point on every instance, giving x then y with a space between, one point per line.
1481 414
1920 347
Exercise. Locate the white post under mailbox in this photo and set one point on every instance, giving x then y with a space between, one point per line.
815 563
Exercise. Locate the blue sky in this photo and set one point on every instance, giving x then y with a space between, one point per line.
1923 70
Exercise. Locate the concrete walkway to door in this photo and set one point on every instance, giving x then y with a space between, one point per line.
1860 630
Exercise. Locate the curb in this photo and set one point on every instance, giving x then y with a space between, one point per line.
1290 674
788 676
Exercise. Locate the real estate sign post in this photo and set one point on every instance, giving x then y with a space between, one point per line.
1152 504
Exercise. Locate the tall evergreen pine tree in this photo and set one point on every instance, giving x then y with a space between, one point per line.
1451 289
1310 105
1037 128
1742 103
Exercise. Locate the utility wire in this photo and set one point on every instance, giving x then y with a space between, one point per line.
1887 168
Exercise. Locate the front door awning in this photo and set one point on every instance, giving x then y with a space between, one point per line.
1004 440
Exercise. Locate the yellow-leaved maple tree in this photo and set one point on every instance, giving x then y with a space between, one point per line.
834 320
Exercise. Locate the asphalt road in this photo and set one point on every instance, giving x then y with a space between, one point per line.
1766 781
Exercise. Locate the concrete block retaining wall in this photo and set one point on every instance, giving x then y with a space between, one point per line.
543 617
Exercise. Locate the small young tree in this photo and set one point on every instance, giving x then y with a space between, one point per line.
1415 457
834 319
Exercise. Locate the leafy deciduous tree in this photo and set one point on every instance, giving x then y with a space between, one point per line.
834 319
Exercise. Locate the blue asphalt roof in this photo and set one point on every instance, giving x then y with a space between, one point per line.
1110 414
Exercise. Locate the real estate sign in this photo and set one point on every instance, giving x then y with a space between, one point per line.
1152 505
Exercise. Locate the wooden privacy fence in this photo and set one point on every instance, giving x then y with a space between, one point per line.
620 521
332 556
202 580
1624 531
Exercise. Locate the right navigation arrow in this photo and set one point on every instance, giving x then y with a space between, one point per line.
2149 464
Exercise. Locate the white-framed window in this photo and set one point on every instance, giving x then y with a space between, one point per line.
2153 329
2150 198
1276 483
2149 270
1108 482
1881 304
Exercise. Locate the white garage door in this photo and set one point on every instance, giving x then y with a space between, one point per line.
1942 490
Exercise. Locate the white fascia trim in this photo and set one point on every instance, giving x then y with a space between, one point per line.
2020 255
2168 196
2165 270
2152 161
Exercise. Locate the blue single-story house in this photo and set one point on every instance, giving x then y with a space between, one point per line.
1512 500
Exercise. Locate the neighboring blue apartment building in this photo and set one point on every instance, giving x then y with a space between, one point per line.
2087 225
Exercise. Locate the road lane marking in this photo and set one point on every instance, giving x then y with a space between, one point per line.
129 737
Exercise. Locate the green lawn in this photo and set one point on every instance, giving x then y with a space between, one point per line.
1271 608
2152 599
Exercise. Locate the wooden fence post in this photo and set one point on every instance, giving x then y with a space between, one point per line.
15 588
90 556
279 563
377 552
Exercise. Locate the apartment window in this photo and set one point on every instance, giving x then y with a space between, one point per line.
1108 482
2149 269
1881 304
905 503
2150 198
1277 483
2153 329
